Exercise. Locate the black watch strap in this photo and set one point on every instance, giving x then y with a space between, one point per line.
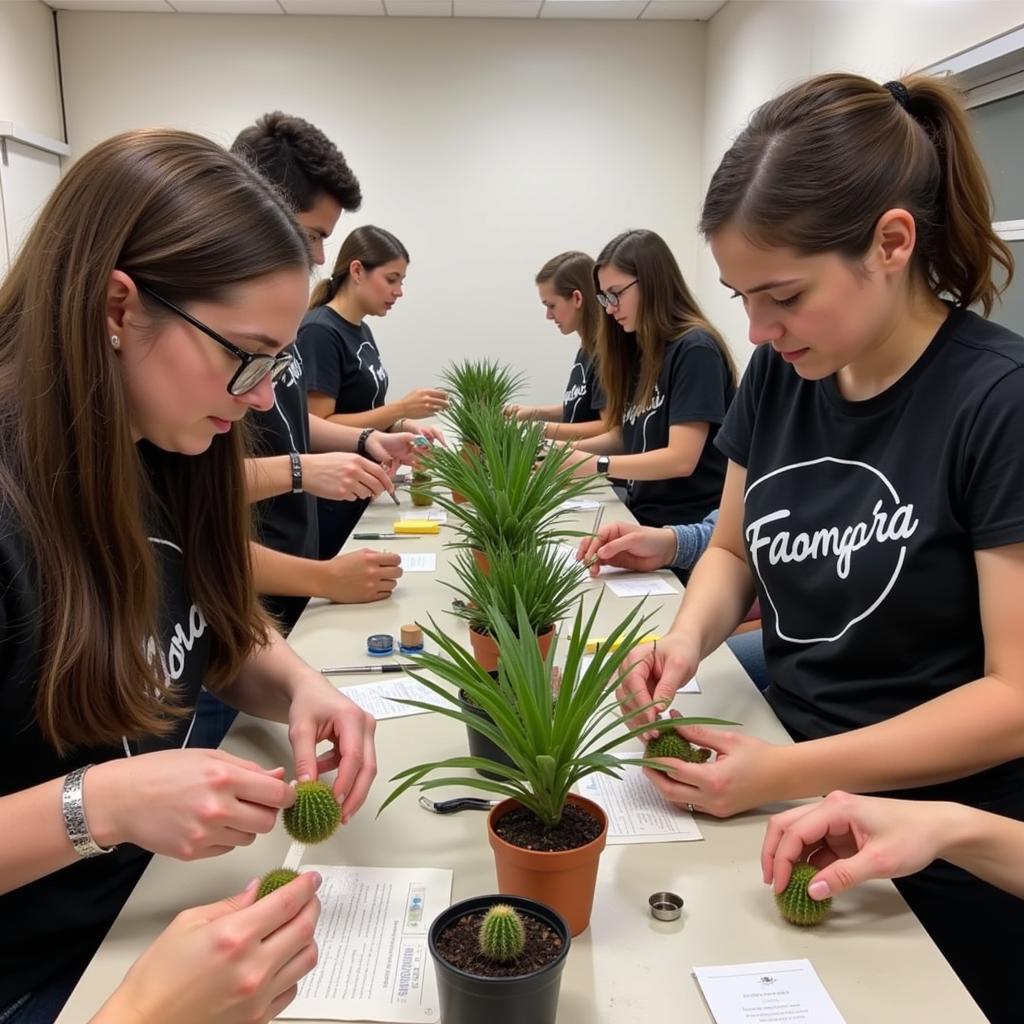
361 443
296 472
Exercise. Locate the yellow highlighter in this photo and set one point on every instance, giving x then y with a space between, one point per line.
595 643
417 526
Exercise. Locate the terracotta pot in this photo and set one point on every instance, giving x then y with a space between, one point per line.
485 649
482 561
565 881
459 499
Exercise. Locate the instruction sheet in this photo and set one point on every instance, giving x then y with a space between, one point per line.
372 935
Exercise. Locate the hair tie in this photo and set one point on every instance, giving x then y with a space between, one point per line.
900 93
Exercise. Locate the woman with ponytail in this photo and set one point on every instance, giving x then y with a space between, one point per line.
873 500
566 287
345 377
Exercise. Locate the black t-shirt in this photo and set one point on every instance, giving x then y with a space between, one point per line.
581 392
341 360
862 519
287 522
61 918
694 386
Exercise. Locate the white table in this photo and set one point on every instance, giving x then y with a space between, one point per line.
874 958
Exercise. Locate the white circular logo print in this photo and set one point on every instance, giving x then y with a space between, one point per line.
828 541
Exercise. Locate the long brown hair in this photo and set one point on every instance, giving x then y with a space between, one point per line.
570 272
817 166
630 369
372 246
178 213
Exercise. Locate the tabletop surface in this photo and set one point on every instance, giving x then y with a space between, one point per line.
872 955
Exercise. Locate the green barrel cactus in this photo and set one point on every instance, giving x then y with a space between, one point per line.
502 937
795 905
274 880
314 816
671 744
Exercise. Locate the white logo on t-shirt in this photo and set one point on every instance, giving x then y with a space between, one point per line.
838 544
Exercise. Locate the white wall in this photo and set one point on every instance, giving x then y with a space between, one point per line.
487 146
756 49
29 94
30 97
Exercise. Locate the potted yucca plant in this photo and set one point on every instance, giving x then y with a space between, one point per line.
546 840
542 579
481 381
514 501
498 959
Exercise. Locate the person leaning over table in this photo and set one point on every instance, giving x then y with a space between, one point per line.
873 497
125 581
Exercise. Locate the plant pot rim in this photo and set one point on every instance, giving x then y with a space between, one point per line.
527 905
511 803
490 636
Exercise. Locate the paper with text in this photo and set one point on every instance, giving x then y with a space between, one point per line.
414 561
641 584
372 935
637 812
379 699
767 993
432 515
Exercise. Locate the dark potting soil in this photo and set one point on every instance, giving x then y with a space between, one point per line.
521 827
459 945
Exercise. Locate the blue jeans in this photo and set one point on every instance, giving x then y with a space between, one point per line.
44 1005
749 651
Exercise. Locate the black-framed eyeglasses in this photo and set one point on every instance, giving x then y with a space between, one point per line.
611 299
255 366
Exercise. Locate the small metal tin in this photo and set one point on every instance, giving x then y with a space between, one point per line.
380 645
665 906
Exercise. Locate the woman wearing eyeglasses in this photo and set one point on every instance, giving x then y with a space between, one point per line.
345 376
566 287
125 582
667 380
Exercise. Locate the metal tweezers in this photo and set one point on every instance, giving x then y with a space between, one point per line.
459 803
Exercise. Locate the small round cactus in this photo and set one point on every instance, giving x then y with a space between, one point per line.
502 937
671 744
274 880
315 814
795 905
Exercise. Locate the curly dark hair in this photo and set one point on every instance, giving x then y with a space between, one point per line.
297 157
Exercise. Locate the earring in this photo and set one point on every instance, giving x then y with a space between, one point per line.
115 341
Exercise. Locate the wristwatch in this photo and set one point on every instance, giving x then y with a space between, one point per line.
73 809
296 472
361 443
602 464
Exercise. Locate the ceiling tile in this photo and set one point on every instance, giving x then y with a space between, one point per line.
497 8
226 6
111 5
356 7
681 10
599 9
418 8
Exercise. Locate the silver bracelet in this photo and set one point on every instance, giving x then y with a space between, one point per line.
73 808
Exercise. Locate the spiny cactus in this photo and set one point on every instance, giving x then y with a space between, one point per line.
315 814
795 905
502 937
671 744
274 880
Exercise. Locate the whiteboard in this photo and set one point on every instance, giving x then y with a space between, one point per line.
28 175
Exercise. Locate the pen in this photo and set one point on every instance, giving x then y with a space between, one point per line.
394 497
588 562
385 536
356 670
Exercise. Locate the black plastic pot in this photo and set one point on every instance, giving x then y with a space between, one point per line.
479 744
471 999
